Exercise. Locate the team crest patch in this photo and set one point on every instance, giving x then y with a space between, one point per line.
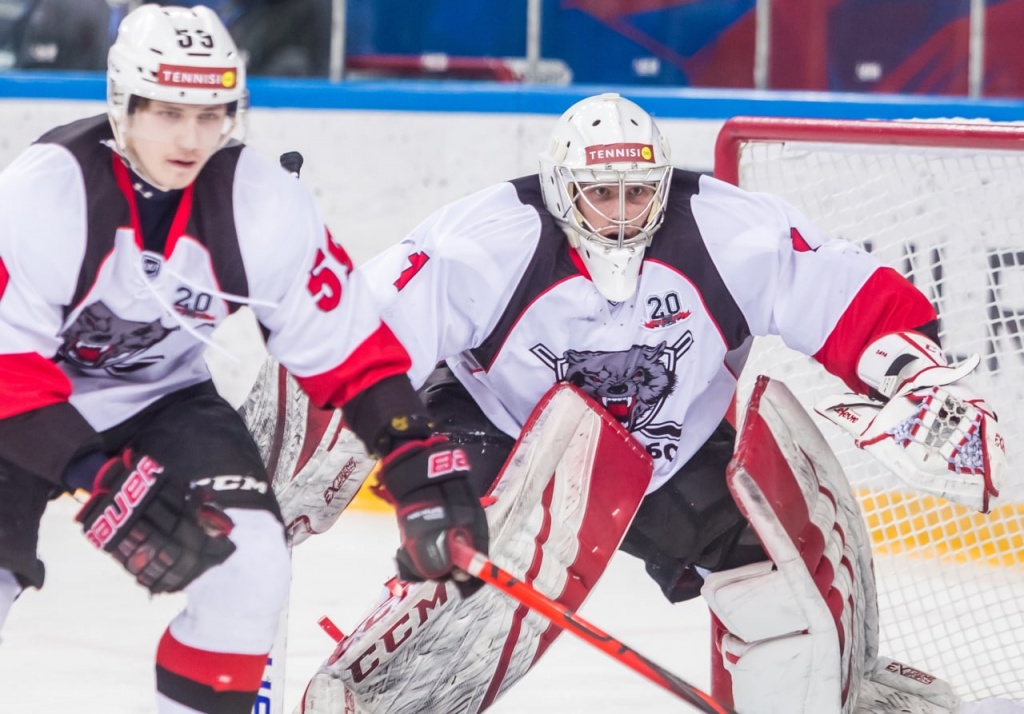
151 265
632 384
99 339
5 277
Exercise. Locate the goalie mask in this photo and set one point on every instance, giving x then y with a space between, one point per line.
605 177
176 55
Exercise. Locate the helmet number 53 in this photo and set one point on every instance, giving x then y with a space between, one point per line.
185 38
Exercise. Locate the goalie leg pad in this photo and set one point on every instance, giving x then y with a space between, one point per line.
316 466
776 665
793 491
895 688
561 505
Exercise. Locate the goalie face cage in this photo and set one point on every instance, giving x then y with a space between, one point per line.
942 203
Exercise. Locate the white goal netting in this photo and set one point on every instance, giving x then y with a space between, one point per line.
944 204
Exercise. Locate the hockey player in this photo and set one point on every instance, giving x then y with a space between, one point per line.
124 239
642 285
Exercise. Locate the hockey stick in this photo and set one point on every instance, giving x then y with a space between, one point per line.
270 699
475 563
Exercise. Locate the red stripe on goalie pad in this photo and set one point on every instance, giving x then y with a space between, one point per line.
620 471
621 474
512 638
760 464
221 671
759 456
317 421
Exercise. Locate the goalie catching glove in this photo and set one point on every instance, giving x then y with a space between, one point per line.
931 430
427 481
162 532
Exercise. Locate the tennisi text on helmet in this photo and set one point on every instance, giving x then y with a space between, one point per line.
619 152
175 76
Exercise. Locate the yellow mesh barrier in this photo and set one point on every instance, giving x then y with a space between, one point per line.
931 527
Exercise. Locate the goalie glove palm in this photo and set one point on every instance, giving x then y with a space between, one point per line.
162 533
434 502
934 433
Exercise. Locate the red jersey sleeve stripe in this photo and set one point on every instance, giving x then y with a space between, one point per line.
5 277
887 302
221 671
29 381
379 356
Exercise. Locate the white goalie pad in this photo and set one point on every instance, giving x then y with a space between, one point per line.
316 465
559 510
801 635
895 688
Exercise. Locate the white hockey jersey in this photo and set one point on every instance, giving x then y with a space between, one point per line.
89 316
490 284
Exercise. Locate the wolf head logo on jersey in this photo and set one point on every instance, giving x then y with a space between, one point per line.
630 384
99 339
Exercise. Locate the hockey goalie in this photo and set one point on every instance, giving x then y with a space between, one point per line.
795 633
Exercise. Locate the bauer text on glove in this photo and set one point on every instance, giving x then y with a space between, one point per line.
163 532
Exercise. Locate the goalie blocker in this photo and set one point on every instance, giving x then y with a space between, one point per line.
799 634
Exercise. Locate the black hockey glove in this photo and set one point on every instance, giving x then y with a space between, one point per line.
427 480
164 533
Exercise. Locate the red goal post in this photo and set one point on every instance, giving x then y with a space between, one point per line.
943 203
739 131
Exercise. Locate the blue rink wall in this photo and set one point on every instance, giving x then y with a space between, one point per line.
492 98
380 156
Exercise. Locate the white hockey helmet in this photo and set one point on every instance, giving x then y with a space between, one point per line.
607 140
175 54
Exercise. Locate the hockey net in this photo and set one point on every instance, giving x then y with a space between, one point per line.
944 204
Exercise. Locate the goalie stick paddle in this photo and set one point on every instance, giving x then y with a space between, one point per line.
475 563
